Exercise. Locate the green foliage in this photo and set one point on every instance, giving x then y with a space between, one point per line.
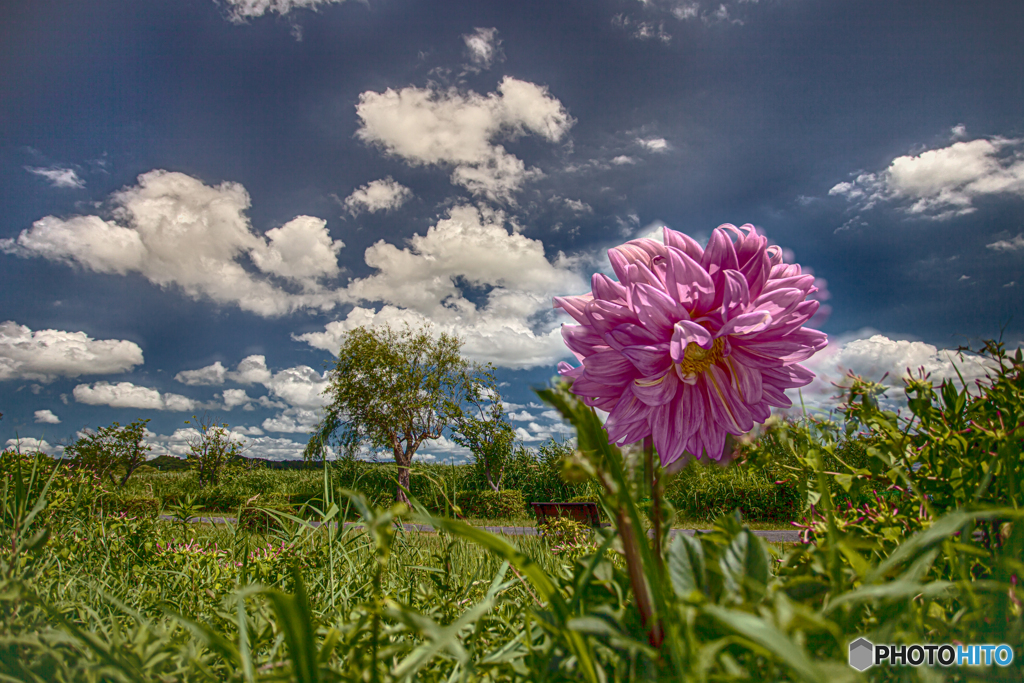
210 448
113 452
131 505
506 504
392 391
120 599
706 492
485 430
539 474
264 513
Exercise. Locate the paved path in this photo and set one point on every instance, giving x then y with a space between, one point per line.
784 536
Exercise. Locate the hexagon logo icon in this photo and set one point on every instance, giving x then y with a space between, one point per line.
862 654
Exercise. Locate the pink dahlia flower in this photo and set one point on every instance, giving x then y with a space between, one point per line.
691 343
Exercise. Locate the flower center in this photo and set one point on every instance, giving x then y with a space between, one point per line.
697 359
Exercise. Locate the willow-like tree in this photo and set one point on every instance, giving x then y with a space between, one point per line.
391 391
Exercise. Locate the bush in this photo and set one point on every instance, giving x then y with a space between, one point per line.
704 492
260 515
145 507
507 504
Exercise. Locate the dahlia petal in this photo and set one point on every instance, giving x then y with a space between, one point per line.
619 263
756 272
607 289
779 302
709 442
656 391
750 245
609 367
688 283
782 351
574 305
760 412
566 370
668 431
736 293
720 253
692 407
748 323
726 406
583 340
630 335
776 397
683 243
756 361
586 387
788 376
649 360
604 316
656 310
774 255
747 381
638 273
687 332
629 415
803 313
785 270
803 282
643 250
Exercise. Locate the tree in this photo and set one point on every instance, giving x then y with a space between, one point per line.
112 449
487 433
393 391
210 447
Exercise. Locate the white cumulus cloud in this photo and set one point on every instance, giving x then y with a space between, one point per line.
431 126
235 397
46 417
128 395
423 283
871 355
209 375
292 420
178 232
945 182
28 444
44 355
378 195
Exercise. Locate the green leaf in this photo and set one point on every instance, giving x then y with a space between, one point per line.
923 541
891 592
540 580
296 621
686 565
745 566
766 636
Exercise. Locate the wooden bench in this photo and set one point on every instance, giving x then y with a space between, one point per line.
585 513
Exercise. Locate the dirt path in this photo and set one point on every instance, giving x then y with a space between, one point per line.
783 536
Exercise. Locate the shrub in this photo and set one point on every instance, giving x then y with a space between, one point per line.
507 504
133 506
704 492
260 514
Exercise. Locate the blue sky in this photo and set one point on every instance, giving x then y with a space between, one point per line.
200 197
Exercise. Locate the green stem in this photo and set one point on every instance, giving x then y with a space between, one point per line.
654 484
